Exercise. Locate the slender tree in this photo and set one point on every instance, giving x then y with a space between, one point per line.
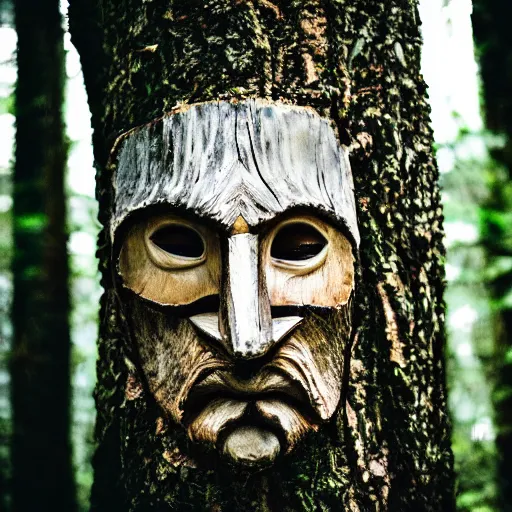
42 473
357 63
494 51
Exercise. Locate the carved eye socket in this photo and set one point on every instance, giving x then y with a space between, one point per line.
297 242
179 241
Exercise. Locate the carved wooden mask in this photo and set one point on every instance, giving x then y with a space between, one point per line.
234 230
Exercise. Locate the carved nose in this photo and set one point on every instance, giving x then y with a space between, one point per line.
245 325
246 307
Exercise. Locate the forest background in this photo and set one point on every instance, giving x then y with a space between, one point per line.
469 102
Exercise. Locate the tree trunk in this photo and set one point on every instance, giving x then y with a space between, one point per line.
356 62
493 40
42 473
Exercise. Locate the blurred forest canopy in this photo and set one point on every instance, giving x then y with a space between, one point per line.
475 162
494 49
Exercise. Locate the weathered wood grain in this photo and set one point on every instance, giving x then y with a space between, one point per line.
245 299
327 281
253 280
388 446
208 424
208 324
252 446
200 387
223 160
292 423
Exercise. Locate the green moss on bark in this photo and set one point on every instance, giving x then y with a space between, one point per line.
357 62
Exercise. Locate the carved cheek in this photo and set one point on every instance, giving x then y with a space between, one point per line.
151 272
327 282
171 355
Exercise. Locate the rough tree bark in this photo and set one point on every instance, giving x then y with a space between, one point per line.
357 63
42 472
494 50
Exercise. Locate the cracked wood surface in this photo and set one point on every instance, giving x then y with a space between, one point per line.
221 160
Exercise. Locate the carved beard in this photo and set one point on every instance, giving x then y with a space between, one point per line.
291 390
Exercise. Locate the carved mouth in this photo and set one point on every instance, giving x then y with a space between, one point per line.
268 384
221 403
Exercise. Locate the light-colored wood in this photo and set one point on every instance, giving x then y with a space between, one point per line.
291 422
222 160
153 274
251 447
208 324
327 281
240 226
239 168
215 417
284 325
183 368
246 304
312 358
150 272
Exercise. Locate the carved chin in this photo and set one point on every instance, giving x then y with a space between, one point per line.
250 433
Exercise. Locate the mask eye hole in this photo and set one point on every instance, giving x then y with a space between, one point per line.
179 240
297 242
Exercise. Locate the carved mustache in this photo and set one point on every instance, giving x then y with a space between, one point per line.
293 391
292 372
221 399
309 361
269 383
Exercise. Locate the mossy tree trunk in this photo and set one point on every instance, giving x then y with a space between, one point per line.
42 472
494 50
357 62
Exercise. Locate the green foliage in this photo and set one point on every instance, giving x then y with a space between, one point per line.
7 104
471 344
476 490
34 223
5 240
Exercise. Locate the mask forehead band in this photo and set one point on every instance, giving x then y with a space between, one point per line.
253 159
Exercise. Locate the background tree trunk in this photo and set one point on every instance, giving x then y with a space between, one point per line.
42 473
494 49
357 62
